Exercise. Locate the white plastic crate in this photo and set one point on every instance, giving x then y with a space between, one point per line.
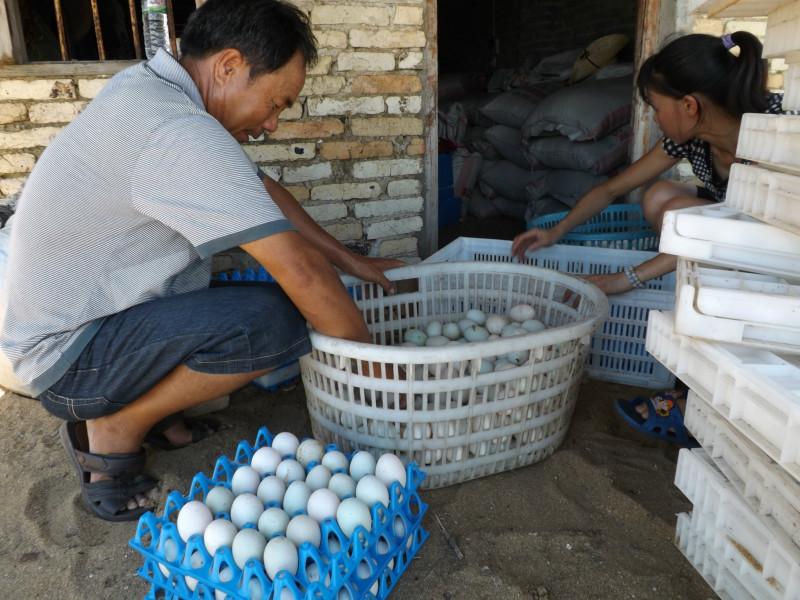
769 490
758 391
737 307
783 31
771 139
791 84
433 405
713 568
765 195
763 561
617 351
720 235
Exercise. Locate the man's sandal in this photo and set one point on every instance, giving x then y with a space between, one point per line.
664 418
107 498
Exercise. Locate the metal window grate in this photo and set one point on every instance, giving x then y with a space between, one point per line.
33 31
98 29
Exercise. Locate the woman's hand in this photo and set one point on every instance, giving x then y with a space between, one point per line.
533 239
371 269
613 283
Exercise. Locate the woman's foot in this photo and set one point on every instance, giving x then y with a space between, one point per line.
663 402
659 416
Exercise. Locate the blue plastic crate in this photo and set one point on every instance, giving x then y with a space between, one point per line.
279 378
449 205
445 170
367 565
246 275
620 226
286 374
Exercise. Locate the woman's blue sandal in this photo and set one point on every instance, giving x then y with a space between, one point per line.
664 417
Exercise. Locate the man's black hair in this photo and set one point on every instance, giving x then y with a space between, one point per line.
266 32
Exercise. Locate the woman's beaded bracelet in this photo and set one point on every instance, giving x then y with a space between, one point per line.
633 278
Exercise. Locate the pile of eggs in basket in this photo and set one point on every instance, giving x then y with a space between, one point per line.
477 326
275 506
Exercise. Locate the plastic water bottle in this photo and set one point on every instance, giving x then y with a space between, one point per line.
156 26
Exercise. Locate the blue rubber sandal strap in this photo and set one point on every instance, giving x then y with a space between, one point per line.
660 423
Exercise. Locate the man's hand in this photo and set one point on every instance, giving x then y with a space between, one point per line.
613 283
371 269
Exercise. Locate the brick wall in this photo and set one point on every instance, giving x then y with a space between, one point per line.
350 150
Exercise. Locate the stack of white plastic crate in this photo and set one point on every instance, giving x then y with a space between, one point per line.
734 339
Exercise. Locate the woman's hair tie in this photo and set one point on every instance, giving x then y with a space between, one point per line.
727 41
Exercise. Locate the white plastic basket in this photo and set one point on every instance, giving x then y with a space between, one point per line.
454 422
757 391
723 236
737 307
783 31
762 560
765 195
771 139
617 352
769 490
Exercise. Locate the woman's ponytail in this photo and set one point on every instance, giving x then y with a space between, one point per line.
704 64
747 92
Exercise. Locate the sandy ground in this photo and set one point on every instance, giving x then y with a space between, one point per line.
595 520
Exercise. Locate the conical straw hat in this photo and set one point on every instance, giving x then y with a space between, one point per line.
598 54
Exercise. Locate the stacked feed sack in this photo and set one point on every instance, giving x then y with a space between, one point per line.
461 95
505 170
525 135
580 135
486 125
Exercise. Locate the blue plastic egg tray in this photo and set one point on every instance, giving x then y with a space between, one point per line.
367 565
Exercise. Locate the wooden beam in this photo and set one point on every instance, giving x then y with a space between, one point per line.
65 69
171 26
430 160
727 9
652 27
6 45
13 23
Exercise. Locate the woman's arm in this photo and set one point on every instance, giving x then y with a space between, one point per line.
644 170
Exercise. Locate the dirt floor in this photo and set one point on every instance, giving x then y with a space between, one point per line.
595 520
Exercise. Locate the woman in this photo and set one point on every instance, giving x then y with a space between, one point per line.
699 90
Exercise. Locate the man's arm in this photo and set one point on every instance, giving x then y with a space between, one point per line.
369 269
311 283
